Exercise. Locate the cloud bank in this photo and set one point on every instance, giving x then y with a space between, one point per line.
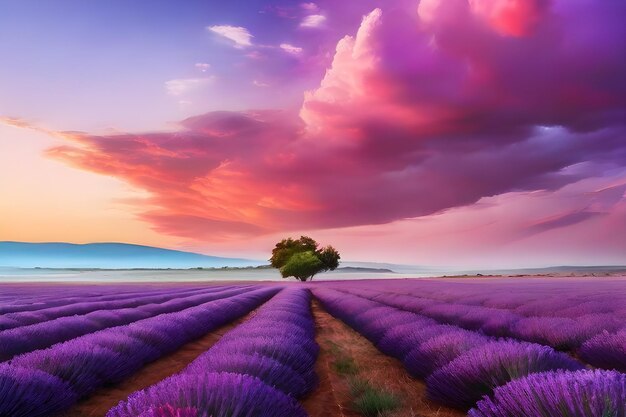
419 113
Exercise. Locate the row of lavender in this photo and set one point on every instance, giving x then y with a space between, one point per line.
20 297
44 334
463 366
598 338
42 382
527 296
88 304
257 369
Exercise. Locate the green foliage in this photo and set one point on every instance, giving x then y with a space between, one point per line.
358 386
371 401
302 258
345 365
329 257
286 248
302 265
367 399
342 362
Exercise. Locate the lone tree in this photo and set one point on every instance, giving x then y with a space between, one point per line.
302 258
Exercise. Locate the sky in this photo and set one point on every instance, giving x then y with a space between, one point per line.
468 133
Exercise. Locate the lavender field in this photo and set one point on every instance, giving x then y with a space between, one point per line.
482 347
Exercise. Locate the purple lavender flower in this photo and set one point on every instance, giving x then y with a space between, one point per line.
408 337
84 366
477 372
440 350
268 370
216 394
584 393
606 350
32 393
169 411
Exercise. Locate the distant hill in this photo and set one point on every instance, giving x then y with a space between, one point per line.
107 255
359 269
566 270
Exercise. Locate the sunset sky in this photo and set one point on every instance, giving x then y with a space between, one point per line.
473 133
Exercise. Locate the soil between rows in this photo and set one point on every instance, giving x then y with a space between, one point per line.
101 401
333 398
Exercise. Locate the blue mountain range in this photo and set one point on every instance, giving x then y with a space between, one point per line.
107 255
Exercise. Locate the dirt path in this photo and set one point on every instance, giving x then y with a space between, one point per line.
98 403
333 397
330 396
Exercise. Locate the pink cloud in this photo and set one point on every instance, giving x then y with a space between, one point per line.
506 17
511 17
416 115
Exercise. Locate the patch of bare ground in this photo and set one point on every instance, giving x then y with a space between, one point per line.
101 401
333 396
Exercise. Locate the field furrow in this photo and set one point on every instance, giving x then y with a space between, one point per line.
100 401
39 336
348 361
69 371
566 334
33 298
260 367
14 320
460 366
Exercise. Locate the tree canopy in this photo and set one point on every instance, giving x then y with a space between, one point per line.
303 258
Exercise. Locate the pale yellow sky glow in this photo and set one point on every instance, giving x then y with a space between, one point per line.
44 200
